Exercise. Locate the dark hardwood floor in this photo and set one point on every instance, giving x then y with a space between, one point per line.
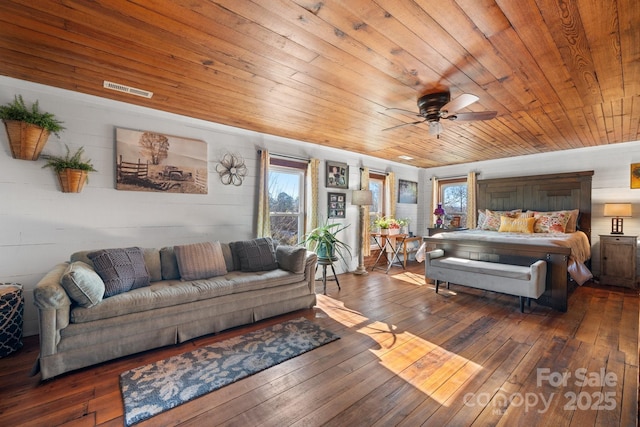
407 356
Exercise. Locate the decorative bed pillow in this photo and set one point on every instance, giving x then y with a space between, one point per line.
492 218
516 225
551 222
83 284
200 260
255 255
291 258
572 225
120 269
481 218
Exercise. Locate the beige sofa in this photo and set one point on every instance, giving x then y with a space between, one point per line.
77 330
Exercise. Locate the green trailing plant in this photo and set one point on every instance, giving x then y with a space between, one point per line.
17 110
324 242
69 161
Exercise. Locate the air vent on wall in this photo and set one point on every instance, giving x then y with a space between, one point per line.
127 89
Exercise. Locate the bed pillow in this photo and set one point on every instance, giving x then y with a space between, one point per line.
254 255
551 222
572 225
481 218
492 218
83 284
200 260
516 225
121 269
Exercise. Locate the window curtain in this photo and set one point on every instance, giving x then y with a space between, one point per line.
313 176
391 196
264 220
435 199
366 228
471 200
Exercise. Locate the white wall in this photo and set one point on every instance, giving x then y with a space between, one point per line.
40 226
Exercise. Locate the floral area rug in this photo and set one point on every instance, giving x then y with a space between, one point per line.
160 386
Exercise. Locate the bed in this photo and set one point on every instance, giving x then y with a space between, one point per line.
567 255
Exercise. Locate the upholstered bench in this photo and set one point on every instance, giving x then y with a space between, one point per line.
521 281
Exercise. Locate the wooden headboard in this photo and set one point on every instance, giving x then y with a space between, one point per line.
553 192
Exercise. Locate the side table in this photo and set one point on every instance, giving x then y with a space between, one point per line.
11 312
324 262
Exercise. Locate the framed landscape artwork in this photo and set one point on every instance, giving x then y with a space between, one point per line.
151 161
407 191
337 175
336 205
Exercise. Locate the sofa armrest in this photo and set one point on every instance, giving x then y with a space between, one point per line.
53 305
310 262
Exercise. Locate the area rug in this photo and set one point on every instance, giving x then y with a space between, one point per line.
157 387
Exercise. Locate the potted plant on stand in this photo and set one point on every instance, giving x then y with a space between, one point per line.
28 129
324 242
388 226
72 171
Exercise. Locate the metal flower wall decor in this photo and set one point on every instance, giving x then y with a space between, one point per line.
231 169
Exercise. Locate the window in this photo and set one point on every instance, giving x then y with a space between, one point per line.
376 185
453 194
286 200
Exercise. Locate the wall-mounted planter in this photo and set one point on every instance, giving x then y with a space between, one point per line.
26 140
72 180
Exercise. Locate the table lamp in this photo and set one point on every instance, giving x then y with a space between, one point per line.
617 210
439 213
361 198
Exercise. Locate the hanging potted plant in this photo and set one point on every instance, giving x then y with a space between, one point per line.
324 242
28 129
72 171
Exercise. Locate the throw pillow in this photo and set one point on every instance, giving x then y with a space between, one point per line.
83 284
492 218
169 264
551 222
120 269
516 225
255 255
291 258
200 260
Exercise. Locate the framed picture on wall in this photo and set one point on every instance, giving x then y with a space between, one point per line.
635 175
407 191
336 205
337 175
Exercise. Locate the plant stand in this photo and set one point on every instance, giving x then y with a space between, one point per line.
72 180
26 140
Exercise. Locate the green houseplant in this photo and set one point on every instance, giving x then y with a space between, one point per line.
325 243
28 128
72 171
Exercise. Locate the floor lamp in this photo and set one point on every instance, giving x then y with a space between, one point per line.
361 198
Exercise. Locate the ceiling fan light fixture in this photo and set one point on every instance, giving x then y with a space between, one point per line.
435 128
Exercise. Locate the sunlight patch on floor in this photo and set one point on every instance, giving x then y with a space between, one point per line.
412 278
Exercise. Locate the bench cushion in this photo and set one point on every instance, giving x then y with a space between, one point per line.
483 267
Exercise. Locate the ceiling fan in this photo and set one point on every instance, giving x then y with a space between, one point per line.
439 105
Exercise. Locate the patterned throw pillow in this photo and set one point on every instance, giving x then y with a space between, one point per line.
492 218
255 255
516 225
551 222
120 269
200 260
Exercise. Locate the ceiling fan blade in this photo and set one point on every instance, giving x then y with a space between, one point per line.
401 110
405 124
479 115
459 103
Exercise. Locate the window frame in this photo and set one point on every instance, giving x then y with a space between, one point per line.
291 167
449 182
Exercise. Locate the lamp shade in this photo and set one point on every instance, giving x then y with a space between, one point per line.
362 197
617 209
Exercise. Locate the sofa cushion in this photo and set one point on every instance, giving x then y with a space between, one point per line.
291 258
83 284
255 255
121 269
200 260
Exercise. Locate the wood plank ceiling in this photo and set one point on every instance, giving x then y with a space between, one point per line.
561 74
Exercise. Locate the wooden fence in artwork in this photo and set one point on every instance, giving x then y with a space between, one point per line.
201 179
129 169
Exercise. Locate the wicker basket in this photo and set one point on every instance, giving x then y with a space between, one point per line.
26 140
72 180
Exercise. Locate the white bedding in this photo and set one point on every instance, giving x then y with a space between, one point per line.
577 242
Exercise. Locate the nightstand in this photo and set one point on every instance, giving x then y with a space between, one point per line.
618 260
